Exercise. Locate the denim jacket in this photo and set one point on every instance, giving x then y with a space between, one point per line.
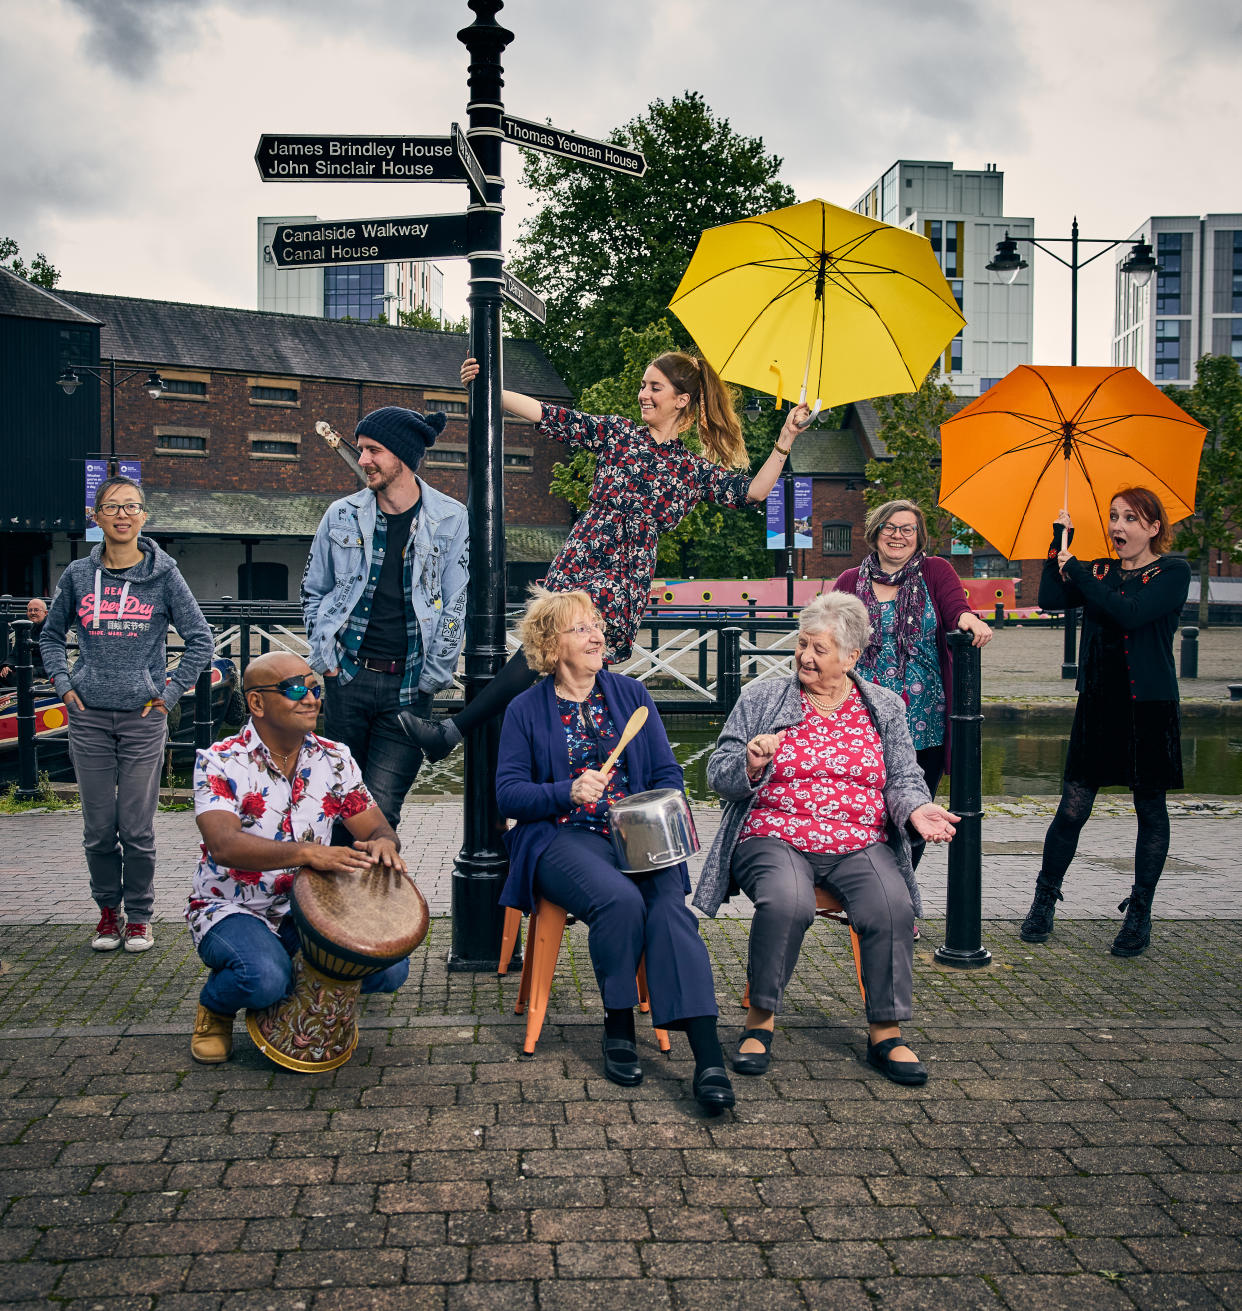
340 560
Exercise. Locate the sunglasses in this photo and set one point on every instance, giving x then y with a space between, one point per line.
294 688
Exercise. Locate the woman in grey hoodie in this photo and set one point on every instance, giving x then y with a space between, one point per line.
122 598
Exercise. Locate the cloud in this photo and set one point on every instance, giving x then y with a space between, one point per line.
131 36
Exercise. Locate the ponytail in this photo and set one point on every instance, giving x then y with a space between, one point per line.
711 408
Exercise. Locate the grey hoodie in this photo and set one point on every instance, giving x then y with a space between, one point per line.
122 620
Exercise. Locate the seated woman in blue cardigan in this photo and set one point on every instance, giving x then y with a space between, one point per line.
555 737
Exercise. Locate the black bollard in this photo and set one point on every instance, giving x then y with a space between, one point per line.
998 616
202 711
963 933
1190 653
27 750
728 669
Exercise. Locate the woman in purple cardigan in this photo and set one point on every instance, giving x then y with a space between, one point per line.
556 735
914 601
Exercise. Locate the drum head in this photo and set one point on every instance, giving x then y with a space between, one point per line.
377 913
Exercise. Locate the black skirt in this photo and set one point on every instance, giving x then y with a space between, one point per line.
1116 741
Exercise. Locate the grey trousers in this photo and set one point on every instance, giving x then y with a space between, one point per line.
117 755
781 882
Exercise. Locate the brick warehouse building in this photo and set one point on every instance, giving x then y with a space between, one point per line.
235 476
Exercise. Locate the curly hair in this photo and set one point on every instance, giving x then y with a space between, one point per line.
546 617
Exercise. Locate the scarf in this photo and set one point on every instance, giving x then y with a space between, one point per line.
910 601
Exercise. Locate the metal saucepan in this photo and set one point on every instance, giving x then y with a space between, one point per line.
652 830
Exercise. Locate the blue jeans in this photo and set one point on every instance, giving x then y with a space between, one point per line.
253 967
363 714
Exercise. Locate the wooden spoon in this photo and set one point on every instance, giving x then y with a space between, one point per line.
636 721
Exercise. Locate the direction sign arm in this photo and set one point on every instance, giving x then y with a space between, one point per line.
524 407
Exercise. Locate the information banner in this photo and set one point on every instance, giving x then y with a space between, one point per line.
802 515
96 472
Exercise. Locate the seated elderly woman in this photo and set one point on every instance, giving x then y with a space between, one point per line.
556 735
822 788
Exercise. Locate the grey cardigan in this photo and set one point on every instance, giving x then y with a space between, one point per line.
767 707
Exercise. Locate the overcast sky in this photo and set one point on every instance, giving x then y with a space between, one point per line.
128 157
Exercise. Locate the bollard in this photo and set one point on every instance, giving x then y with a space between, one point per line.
728 669
998 616
963 947
202 711
27 749
1190 653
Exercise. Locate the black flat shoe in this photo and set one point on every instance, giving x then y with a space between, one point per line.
621 1063
430 736
910 1073
712 1089
754 1062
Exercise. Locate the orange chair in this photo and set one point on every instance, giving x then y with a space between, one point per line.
543 946
827 907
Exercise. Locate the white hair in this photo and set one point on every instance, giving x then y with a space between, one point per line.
840 614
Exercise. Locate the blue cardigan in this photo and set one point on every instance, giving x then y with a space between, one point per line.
532 775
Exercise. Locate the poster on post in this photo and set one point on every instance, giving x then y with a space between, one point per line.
96 472
801 515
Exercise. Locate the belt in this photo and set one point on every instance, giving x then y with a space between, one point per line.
383 666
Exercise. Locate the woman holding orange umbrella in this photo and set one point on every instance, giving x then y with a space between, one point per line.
1126 726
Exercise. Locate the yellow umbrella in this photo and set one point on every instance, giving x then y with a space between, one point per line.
850 306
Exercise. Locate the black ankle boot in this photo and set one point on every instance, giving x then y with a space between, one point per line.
1037 927
1136 930
434 738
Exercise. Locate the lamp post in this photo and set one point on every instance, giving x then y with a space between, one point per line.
1139 264
69 382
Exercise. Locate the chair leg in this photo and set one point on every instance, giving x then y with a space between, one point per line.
508 938
858 965
644 1004
544 945
524 982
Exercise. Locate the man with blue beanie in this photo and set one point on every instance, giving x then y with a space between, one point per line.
384 599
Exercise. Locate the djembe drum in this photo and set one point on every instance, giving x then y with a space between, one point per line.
349 925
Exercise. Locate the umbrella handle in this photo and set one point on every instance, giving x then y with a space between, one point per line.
810 418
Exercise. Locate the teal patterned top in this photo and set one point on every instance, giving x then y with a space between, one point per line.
921 688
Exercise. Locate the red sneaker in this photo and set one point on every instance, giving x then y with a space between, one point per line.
109 929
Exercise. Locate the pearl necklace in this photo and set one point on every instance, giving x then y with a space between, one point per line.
822 704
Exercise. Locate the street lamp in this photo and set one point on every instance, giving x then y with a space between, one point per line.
1138 265
69 381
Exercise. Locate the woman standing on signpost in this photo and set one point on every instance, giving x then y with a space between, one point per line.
646 481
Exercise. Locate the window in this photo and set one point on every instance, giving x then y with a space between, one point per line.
993 566
838 539
181 441
1169 279
452 404
1168 350
449 407
955 286
75 346
274 445
267 392
353 291
184 387
985 384
446 457
519 460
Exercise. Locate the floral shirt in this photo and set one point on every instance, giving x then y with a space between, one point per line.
921 688
239 775
590 735
641 489
825 790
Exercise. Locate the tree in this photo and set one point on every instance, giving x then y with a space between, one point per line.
910 429
607 251
423 320
1215 399
710 542
41 272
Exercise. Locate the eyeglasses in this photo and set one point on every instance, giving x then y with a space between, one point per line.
899 530
110 509
294 688
582 630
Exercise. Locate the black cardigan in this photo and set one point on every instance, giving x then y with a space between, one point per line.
1145 607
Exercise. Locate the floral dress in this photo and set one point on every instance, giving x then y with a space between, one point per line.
641 489
590 735
920 686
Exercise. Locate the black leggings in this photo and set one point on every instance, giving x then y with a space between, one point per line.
1150 847
515 677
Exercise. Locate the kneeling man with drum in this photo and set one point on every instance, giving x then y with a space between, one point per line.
265 802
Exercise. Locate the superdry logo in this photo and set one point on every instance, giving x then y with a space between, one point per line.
134 608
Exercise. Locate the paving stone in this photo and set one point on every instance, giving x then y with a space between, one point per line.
231 1271
512 1261
148 1276
738 1295
1082 1292
963 1293
340 1267
606 1295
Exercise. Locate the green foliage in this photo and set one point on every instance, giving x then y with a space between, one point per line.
40 271
1215 399
425 321
709 542
607 251
45 798
910 427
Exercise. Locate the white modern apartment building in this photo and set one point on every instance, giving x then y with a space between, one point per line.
357 291
961 212
1192 307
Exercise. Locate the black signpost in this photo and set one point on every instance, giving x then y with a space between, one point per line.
472 157
357 159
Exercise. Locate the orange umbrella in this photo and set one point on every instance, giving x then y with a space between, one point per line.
1049 438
